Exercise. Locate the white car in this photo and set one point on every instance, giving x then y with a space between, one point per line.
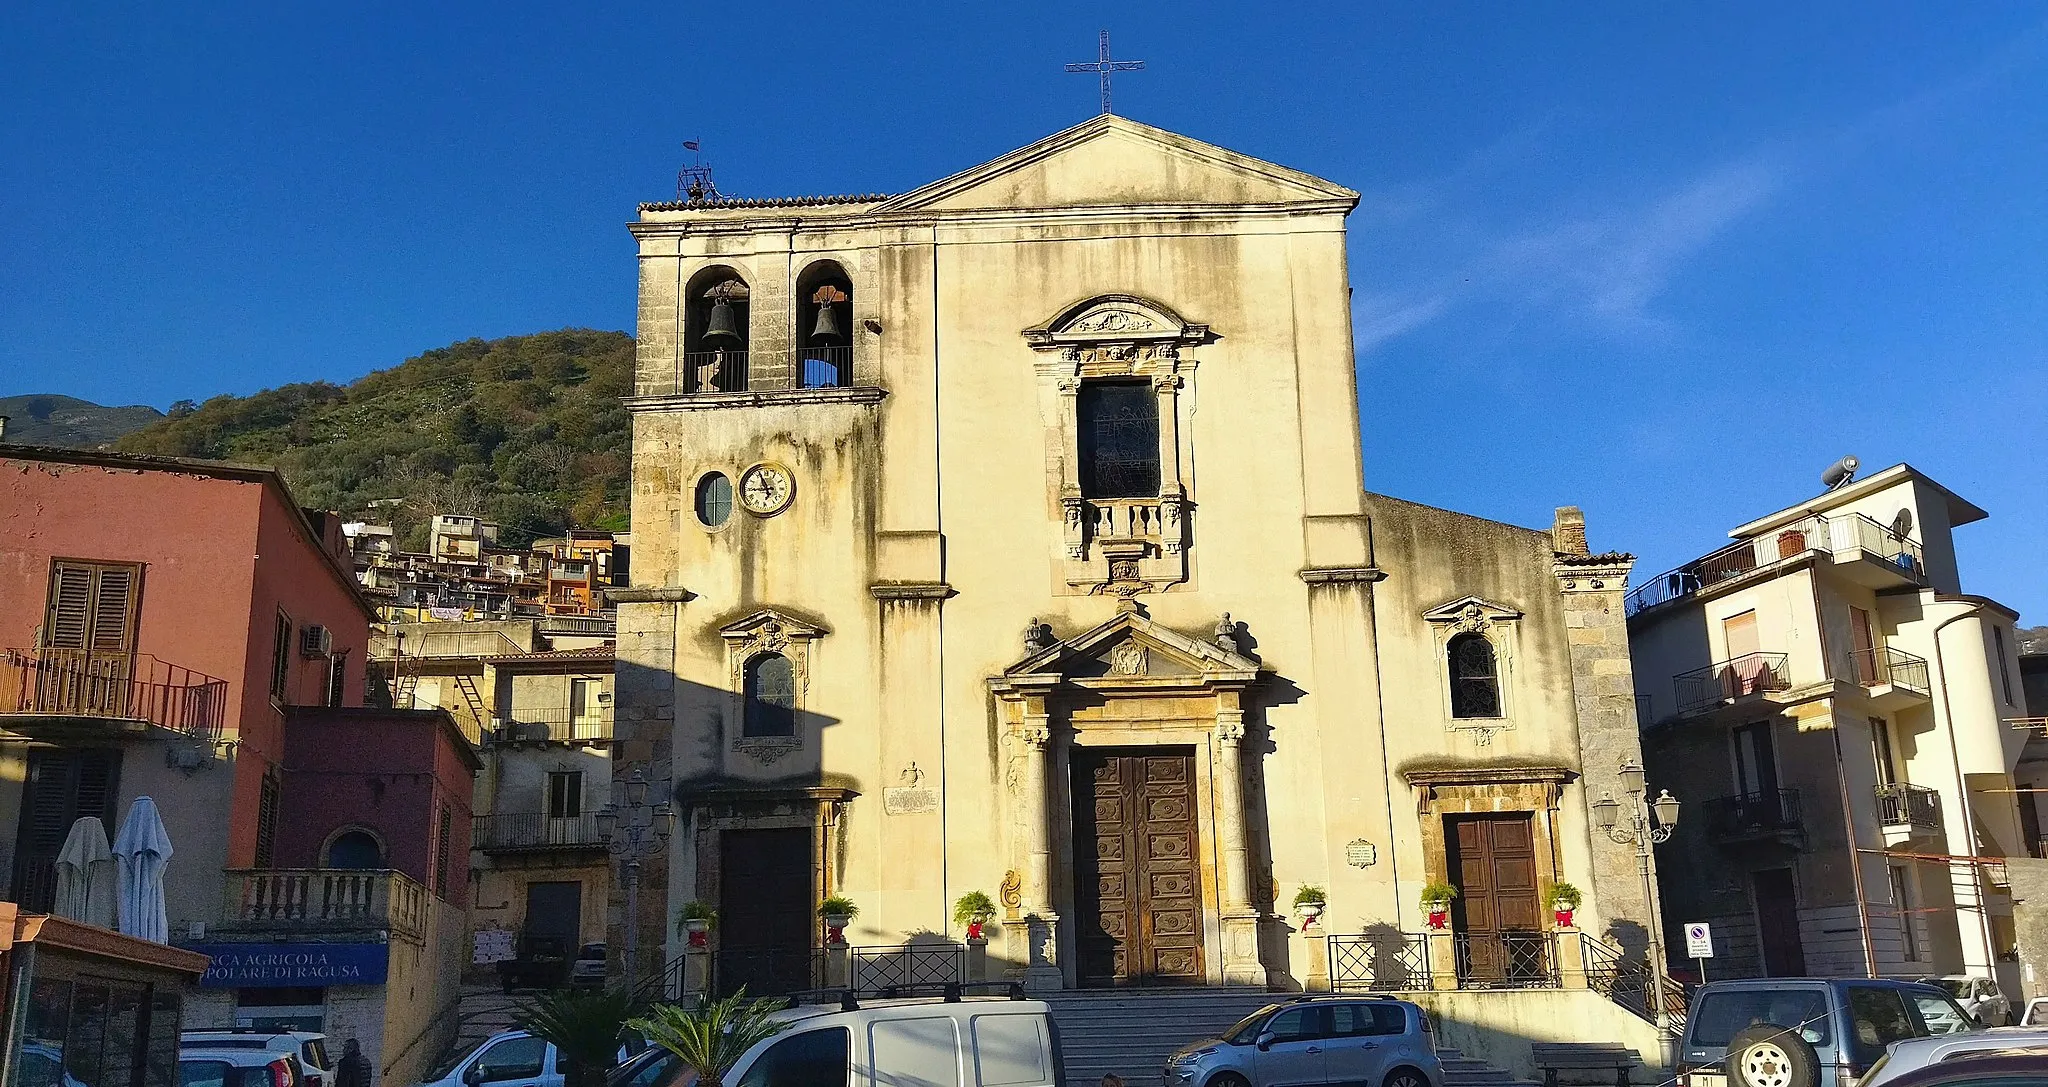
509 1058
2037 1013
1913 1054
1981 997
310 1048
201 1065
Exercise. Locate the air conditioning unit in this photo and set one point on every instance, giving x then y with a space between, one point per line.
316 641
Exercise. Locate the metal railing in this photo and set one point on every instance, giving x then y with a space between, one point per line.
876 969
1625 980
315 899
533 831
1903 805
767 971
117 686
1507 960
712 372
1753 815
1725 681
579 624
1835 535
1380 962
556 724
1885 665
825 367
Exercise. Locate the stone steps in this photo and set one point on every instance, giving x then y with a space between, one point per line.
1132 1031
1463 1071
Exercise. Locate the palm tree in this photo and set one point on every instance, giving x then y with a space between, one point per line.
585 1026
711 1038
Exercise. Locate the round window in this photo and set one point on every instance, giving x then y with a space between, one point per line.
714 499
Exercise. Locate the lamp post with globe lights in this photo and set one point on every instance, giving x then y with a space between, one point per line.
1642 823
632 832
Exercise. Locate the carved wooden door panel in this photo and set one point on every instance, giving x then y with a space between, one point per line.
1492 859
1137 874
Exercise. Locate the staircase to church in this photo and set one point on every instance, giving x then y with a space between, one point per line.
1132 1031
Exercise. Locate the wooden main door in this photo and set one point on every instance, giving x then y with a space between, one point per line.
1137 879
1492 860
765 912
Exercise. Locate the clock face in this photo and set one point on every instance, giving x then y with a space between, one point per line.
766 489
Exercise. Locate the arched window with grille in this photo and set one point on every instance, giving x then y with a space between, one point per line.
1475 677
355 849
770 696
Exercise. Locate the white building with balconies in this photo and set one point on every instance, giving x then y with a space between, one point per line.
1840 706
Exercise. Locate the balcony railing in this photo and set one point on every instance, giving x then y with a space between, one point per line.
825 367
743 371
1725 681
1903 805
1839 536
323 900
84 683
1754 815
533 831
554 725
1887 666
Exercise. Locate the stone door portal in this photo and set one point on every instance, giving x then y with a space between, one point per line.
1492 860
1137 879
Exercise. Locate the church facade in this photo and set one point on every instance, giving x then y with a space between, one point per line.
1010 536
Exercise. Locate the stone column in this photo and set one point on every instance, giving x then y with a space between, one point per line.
1172 495
1073 511
1241 965
1040 923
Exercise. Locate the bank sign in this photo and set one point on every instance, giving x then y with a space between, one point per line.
259 966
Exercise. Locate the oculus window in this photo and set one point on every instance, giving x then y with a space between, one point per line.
1119 439
714 500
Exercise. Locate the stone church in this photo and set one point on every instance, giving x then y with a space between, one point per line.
1011 535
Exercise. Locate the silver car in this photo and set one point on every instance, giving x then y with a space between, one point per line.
1370 1041
1913 1054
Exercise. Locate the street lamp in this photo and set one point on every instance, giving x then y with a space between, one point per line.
1642 823
631 832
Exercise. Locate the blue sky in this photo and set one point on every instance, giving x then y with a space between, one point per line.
1662 261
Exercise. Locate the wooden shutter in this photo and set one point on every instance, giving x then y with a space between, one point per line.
92 606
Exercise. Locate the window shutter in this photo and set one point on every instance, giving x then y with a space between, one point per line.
113 610
70 607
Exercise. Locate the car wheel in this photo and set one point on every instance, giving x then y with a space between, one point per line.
1771 1056
1406 1077
1227 1079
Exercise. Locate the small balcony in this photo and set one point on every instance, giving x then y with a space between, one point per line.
1729 681
1756 817
533 832
304 901
59 694
1862 550
1907 811
1894 679
553 724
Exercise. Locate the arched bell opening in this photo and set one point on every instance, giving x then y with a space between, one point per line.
715 332
824 327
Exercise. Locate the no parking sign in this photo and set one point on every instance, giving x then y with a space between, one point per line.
1699 940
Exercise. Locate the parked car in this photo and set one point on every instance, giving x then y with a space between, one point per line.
1011 1042
309 1047
540 961
650 1067
1374 1041
202 1064
1981 997
1805 1032
587 972
509 1057
1913 1054
2023 1071
2036 1014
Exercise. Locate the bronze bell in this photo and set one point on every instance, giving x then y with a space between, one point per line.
721 331
826 331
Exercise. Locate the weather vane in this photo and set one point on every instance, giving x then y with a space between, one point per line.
1103 66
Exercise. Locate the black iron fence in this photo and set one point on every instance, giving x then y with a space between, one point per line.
767 971
876 969
1751 815
825 367
1725 681
511 833
1380 962
1625 979
1507 960
1900 804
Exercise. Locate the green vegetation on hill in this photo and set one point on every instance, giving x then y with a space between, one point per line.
527 431
49 419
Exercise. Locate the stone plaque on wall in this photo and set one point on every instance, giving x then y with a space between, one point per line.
909 800
1359 853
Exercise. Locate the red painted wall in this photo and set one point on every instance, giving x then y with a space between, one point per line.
386 771
220 556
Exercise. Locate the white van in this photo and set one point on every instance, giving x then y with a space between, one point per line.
889 1043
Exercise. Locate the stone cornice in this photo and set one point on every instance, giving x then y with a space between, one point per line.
910 590
761 398
1592 573
672 594
1329 575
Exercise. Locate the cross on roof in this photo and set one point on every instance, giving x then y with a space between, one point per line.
1103 65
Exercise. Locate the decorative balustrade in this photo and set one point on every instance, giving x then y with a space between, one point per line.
86 683
1124 519
323 899
1725 681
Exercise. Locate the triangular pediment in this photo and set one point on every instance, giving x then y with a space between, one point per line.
1110 161
1133 646
770 621
1470 610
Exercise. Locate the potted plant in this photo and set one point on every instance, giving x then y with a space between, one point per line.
711 1038
1564 898
1436 901
696 922
837 912
585 1025
1309 902
974 910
